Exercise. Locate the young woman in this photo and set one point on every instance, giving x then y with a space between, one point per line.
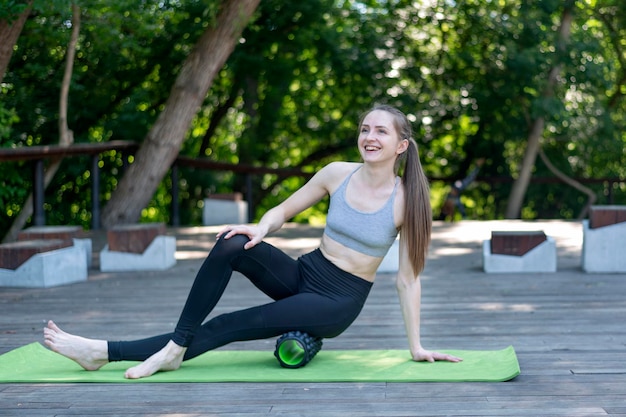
320 293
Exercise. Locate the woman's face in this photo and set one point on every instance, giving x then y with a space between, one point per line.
378 138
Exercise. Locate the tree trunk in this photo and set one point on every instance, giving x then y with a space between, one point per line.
66 136
9 33
162 144
514 205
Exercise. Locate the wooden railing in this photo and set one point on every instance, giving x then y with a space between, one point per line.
38 154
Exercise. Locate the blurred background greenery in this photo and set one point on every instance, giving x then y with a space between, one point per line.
471 75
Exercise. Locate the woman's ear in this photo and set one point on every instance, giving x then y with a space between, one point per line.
402 146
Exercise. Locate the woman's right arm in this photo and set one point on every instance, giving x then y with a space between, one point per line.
306 196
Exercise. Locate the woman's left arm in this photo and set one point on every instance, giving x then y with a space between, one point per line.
409 288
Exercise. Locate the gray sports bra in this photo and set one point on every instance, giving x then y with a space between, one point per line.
371 233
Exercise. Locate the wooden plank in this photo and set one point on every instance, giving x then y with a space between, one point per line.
134 238
601 216
14 254
516 243
48 151
51 232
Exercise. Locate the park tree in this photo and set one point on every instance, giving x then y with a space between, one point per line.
290 97
537 121
162 144
305 74
117 43
127 58
484 88
582 122
66 136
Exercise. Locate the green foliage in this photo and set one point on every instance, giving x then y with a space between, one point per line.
470 74
10 9
7 118
12 186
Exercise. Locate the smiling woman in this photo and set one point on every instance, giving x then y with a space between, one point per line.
321 293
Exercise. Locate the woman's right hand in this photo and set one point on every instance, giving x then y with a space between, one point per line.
254 232
423 355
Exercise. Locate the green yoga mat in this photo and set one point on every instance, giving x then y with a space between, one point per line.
34 363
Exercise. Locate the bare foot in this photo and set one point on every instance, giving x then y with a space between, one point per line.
167 359
91 354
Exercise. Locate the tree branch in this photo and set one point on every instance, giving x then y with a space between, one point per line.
571 182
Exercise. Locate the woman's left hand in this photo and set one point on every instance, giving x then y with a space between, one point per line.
422 355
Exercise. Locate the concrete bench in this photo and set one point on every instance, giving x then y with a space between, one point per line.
41 263
224 209
74 234
604 239
138 247
519 251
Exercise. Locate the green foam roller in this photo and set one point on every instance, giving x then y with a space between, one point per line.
295 349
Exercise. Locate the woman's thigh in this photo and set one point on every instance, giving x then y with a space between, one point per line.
307 312
267 267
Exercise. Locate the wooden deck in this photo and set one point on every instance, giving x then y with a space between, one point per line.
567 328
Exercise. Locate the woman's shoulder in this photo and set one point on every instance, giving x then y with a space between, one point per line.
342 166
334 173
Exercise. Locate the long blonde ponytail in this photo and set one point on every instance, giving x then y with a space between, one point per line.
417 225
417 211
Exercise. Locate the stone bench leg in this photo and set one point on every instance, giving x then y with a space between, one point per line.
74 234
519 252
604 240
138 247
41 263
224 209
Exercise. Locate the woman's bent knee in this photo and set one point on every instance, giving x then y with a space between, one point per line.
232 245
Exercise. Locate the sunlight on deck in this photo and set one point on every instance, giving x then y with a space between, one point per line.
505 307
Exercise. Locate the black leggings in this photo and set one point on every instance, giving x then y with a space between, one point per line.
311 295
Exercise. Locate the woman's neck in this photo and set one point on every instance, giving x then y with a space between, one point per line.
377 176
